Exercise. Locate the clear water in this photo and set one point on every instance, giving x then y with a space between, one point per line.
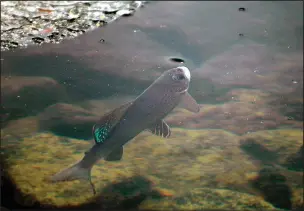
244 150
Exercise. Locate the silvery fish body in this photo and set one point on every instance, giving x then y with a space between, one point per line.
122 124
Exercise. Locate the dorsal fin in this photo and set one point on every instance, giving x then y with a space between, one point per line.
106 123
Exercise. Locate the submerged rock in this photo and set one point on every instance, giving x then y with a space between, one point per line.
240 111
296 161
23 96
261 67
281 182
68 120
277 146
77 120
206 198
16 130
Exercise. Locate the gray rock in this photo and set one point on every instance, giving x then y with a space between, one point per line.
26 22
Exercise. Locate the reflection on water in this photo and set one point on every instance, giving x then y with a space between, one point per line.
246 140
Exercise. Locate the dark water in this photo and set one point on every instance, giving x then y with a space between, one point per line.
246 61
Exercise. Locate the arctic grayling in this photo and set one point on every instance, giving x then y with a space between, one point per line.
122 124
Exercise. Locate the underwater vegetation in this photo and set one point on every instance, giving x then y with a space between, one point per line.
206 198
194 169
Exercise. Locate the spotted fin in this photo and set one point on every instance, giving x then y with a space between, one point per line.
115 155
104 126
189 103
160 128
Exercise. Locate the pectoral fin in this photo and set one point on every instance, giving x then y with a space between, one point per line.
160 128
115 155
189 103
103 127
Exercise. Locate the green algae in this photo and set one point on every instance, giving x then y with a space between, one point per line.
205 198
282 143
190 159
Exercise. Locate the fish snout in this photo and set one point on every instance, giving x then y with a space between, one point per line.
186 71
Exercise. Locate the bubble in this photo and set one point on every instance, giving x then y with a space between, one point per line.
177 60
242 9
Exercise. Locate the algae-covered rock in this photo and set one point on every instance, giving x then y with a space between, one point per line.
278 146
203 159
297 199
244 111
16 130
282 183
206 198
189 159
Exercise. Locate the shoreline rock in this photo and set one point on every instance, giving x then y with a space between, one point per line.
27 23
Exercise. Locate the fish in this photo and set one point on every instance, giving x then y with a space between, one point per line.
122 124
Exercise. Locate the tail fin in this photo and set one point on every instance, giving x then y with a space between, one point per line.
75 172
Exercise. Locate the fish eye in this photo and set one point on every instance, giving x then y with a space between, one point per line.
178 77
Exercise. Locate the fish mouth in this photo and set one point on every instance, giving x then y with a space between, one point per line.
184 91
186 71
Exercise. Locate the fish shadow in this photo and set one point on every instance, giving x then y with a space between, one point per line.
258 151
80 131
274 188
126 194
270 181
68 120
296 162
123 195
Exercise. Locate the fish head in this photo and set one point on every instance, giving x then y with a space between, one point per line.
176 79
